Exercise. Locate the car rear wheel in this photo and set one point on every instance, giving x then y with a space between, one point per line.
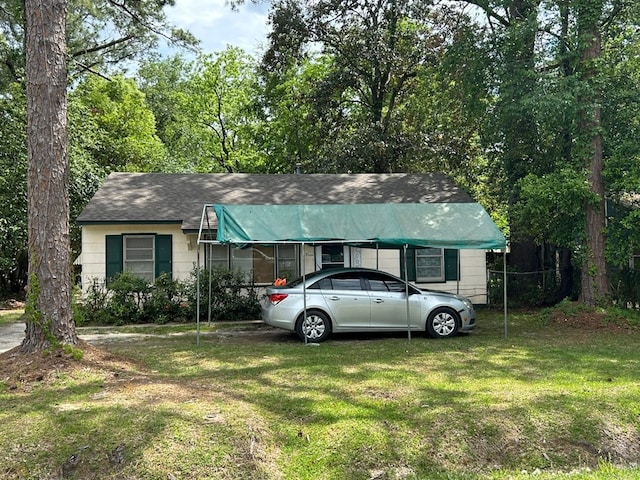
316 327
442 323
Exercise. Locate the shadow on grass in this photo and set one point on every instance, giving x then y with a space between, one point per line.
266 406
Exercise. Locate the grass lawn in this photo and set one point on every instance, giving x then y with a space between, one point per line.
558 399
10 316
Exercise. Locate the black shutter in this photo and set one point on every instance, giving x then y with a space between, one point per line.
164 254
411 260
113 255
451 268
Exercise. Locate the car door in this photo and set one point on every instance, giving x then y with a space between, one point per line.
348 302
389 302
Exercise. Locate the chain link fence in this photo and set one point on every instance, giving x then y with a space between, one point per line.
547 287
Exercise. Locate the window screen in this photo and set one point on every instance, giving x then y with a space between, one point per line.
287 264
139 256
429 265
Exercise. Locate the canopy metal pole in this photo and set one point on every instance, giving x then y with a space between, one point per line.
406 289
504 282
198 294
458 274
304 295
210 263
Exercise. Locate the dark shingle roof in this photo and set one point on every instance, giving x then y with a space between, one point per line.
179 198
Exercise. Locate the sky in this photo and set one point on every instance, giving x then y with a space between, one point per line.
216 25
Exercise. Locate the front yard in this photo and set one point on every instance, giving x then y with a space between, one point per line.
558 398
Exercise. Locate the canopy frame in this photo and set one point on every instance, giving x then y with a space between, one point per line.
220 214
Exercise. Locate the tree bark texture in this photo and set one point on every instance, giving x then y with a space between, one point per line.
594 279
49 318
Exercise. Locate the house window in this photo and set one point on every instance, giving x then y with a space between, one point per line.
146 256
287 262
263 264
256 262
219 256
139 256
332 256
242 260
429 265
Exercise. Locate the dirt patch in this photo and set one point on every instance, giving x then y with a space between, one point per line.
591 321
19 370
253 333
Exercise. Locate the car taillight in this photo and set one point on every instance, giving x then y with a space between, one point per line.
276 298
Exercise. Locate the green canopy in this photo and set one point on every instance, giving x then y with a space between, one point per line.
389 225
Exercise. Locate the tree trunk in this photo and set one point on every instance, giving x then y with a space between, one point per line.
594 280
48 312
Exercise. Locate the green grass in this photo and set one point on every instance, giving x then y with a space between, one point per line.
546 402
10 316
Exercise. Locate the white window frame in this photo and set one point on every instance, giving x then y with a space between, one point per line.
127 262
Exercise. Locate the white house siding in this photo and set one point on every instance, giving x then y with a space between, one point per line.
94 243
473 273
473 282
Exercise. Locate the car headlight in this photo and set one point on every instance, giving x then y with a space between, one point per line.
467 302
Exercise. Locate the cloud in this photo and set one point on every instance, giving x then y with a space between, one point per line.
216 25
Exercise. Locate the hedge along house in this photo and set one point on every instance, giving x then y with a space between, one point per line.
148 224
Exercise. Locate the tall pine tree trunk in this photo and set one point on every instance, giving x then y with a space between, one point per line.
48 312
594 280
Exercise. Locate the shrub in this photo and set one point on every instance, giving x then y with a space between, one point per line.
129 299
166 301
232 297
91 307
625 287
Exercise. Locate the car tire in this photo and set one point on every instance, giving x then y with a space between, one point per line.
443 323
317 327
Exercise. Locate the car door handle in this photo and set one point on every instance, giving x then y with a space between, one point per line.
334 298
378 300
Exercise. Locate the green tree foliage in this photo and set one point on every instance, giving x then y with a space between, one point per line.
101 34
289 134
550 203
213 120
222 101
124 136
551 65
376 50
13 191
621 122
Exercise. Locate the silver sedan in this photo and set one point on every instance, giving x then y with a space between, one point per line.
363 300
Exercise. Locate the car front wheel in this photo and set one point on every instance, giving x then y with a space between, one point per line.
316 327
442 323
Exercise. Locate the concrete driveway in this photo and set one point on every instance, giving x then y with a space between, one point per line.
11 335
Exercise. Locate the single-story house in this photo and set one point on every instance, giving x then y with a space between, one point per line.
148 223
